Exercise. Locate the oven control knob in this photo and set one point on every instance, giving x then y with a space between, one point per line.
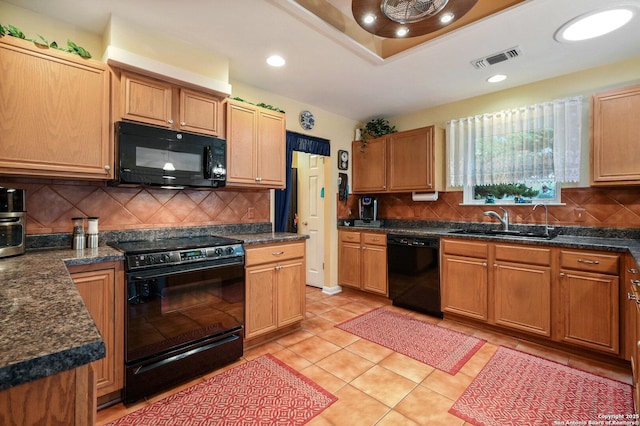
218 252
230 250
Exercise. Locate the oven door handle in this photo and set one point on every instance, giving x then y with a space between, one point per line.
142 277
178 357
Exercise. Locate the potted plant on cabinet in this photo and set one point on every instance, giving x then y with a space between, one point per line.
374 129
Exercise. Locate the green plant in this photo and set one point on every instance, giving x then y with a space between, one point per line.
374 129
506 189
12 31
261 104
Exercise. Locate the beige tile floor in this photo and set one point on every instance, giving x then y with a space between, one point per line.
375 385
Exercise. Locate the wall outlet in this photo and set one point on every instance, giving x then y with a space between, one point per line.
250 212
580 215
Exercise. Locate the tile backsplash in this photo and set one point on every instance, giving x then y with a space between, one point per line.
597 207
52 204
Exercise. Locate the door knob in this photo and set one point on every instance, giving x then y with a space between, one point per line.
305 223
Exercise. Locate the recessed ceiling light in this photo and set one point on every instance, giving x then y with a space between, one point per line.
593 25
497 78
402 31
447 17
368 19
276 61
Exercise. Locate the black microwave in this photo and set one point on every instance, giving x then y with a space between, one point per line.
166 158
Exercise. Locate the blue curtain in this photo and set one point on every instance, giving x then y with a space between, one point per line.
302 143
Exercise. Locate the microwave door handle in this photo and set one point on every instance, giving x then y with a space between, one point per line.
208 160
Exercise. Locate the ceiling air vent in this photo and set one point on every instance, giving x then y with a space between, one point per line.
496 58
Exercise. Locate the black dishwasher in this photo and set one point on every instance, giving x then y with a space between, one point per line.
414 277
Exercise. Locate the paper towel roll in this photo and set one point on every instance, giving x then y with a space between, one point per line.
424 196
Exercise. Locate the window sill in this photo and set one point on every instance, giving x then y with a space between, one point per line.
512 204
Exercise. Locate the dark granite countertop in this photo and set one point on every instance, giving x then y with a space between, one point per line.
45 327
619 241
268 237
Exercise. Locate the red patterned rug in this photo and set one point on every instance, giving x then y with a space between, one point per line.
263 391
439 347
515 388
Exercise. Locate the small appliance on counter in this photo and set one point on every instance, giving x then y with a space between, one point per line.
13 213
368 207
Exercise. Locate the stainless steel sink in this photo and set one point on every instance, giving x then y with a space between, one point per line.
500 232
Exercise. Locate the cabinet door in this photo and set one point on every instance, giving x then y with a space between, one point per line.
369 166
260 303
146 100
614 137
350 266
464 289
523 297
291 292
103 294
270 151
374 269
590 306
242 131
411 160
200 113
55 113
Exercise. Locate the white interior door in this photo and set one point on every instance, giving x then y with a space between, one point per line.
311 213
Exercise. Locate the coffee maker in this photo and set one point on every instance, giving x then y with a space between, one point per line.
368 208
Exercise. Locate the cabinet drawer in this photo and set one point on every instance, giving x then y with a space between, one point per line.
590 261
351 237
465 248
375 239
522 254
273 253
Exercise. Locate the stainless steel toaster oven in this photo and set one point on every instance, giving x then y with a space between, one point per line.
12 221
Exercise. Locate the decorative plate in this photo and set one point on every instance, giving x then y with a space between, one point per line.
307 120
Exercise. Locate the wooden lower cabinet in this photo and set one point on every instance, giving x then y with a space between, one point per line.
590 299
514 286
275 287
363 261
101 286
66 398
522 288
465 280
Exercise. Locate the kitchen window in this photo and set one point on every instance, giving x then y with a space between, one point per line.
516 156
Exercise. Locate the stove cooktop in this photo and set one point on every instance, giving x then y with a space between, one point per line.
180 251
173 244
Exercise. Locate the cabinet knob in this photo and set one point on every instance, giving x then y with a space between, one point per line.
107 167
589 262
495 265
632 271
182 123
170 121
258 179
277 268
484 264
562 274
631 296
635 283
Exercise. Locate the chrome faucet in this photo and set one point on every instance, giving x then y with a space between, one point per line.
546 218
503 220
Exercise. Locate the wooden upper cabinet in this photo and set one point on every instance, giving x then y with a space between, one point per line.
200 113
412 160
369 166
615 137
400 162
255 146
146 100
54 108
159 103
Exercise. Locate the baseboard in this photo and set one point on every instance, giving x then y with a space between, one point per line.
332 290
